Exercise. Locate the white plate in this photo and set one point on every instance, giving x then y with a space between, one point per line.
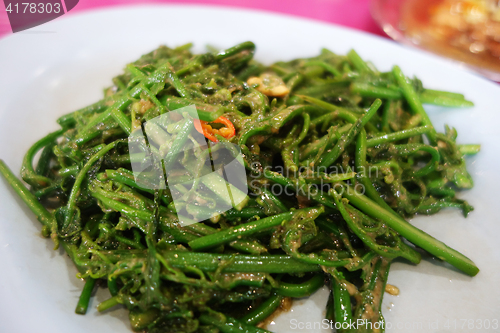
45 75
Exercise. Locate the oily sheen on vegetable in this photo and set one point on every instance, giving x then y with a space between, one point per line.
337 156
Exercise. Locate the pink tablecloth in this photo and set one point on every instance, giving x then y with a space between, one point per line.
350 13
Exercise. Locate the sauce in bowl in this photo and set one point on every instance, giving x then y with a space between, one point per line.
465 30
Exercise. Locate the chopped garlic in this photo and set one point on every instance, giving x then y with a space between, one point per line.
392 290
270 85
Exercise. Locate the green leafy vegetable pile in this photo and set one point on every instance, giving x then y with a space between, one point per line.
336 153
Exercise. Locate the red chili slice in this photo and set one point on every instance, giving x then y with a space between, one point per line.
209 132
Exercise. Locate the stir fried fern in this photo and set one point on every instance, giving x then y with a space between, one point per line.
336 154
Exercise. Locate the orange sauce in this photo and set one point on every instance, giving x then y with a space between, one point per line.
441 26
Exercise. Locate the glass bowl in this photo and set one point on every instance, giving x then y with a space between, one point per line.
462 30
